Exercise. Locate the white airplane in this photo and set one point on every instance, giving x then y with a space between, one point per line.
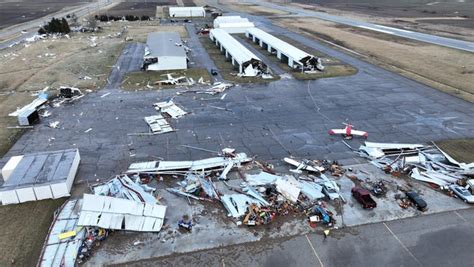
170 79
348 132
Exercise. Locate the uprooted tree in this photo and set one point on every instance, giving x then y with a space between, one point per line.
55 26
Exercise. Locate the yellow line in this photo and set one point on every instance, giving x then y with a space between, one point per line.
314 251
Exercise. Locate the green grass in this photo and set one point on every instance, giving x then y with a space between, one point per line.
461 150
333 67
225 67
23 229
140 80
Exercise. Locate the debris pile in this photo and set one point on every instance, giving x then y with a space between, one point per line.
424 163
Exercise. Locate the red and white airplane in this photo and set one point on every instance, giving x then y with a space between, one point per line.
348 132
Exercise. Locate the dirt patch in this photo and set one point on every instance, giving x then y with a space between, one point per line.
446 69
146 80
225 67
460 149
20 241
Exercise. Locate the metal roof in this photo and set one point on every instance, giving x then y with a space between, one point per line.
121 214
161 44
282 46
41 168
57 252
238 52
231 19
187 8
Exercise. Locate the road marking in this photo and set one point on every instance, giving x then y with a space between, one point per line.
403 245
459 215
314 251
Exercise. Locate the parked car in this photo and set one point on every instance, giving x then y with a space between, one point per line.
462 193
416 199
214 72
363 197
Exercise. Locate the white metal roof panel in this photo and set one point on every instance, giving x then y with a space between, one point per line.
110 213
284 47
238 52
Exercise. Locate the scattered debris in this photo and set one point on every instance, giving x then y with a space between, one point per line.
170 108
158 124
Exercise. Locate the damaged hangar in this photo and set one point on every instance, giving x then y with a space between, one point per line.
287 53
247 62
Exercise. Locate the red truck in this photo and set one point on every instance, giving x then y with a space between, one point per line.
363 196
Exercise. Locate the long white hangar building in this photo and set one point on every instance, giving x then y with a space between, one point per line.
233 24
287 53
38 176
164 51
187 12
243 59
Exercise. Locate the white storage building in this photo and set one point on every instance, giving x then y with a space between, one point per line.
164 51
233 24
287 53
187 12
39 176
241 58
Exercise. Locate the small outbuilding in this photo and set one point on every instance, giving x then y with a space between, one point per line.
187 12
233 24
164 51
45 175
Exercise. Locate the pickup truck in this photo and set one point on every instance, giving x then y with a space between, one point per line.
363 196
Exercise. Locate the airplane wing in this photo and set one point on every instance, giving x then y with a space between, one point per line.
337 131
359 133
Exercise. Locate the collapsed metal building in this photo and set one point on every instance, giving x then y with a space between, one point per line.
287 53
242 59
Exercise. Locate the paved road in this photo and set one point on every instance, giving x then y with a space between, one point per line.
436 240
30 28
428 38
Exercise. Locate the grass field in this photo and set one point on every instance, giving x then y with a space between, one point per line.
461 150
333 67
23 230
225 67
140 80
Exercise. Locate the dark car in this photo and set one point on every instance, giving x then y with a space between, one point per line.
214 72
363 197
417 200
